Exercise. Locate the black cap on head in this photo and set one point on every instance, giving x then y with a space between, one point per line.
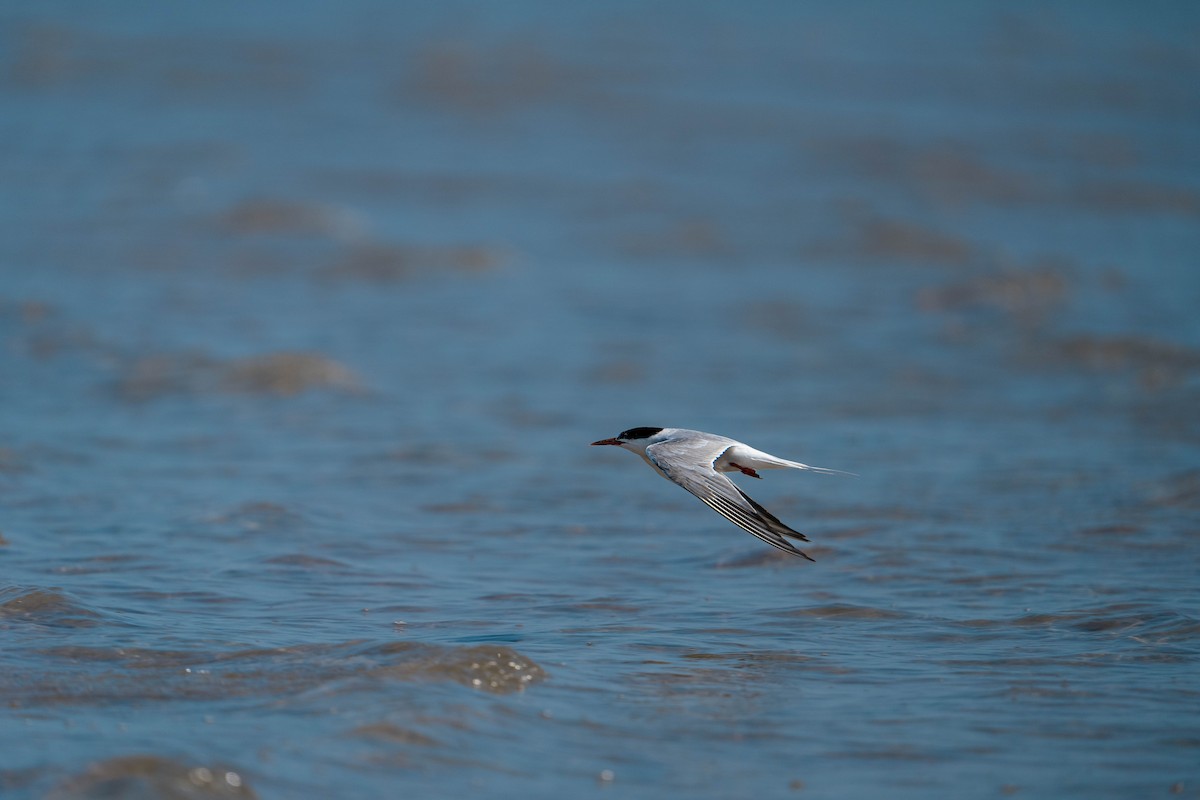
638 433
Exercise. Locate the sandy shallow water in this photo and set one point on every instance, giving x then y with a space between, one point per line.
308 313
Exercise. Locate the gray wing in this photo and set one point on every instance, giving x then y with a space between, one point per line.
689 463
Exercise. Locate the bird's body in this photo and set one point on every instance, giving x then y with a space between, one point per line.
696 460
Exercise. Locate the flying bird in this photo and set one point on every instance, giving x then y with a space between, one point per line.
696 460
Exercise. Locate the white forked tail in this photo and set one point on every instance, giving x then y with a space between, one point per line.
822 470
739 455
768 461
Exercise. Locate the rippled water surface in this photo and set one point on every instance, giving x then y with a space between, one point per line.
309 311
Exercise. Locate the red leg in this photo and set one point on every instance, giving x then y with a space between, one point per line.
746 470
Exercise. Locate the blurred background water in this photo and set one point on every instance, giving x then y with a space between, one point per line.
308 312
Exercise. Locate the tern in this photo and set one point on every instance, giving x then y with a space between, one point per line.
696 460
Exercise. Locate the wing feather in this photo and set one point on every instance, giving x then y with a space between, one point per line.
690 464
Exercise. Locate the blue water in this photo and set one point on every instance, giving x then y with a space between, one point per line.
308 313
